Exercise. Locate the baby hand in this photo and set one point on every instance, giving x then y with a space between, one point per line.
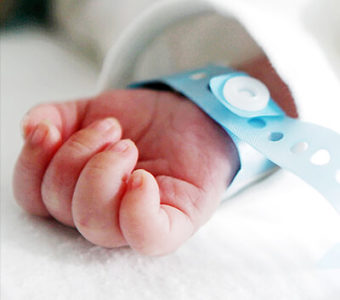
139 168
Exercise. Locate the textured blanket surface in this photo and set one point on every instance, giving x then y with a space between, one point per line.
268 242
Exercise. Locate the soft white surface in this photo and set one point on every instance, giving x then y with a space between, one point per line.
265 243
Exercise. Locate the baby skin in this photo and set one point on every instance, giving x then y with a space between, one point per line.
130 167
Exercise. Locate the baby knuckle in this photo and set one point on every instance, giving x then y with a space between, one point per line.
79 144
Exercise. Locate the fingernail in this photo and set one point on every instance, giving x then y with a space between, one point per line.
23 124
39 133
104 125
121 146
53 132
136 181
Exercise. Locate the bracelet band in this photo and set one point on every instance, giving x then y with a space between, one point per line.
243 107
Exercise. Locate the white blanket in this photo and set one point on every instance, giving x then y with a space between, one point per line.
269 242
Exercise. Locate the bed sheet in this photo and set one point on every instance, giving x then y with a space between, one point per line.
268 242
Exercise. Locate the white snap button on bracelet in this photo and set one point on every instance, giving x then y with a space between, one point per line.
246 93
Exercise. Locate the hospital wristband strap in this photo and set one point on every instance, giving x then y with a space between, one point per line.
243 107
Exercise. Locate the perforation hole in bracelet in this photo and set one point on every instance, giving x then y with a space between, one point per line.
198 76
276 136
299 148
320 158
337 176
257 123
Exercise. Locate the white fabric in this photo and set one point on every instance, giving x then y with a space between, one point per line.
286 29
265 243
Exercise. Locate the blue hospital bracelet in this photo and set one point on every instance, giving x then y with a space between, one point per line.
243 107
